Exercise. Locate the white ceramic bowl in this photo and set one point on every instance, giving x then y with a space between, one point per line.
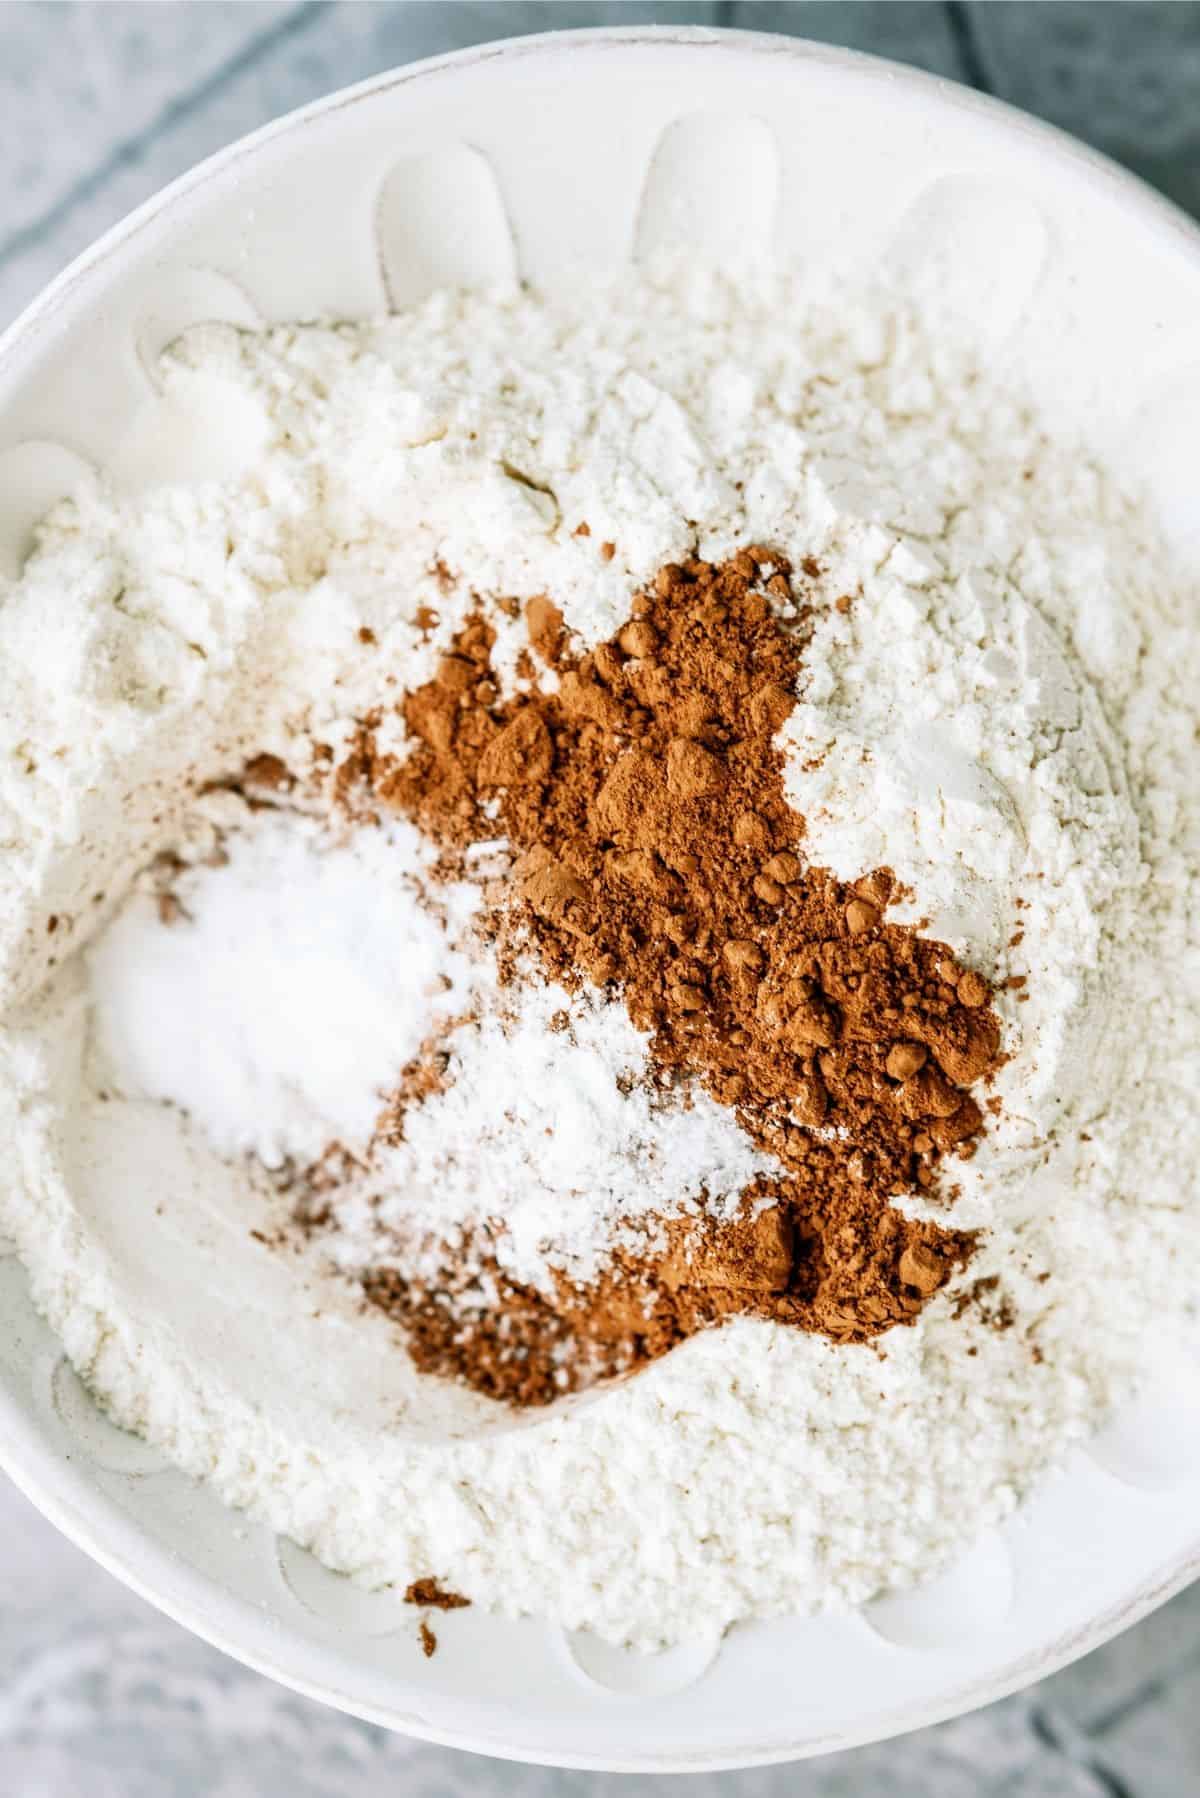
556 156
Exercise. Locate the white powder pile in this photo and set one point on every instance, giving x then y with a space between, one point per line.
280 996
1004 711
549 1130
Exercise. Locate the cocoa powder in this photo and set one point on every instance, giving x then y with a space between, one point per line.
430 1593
659 858
432 1596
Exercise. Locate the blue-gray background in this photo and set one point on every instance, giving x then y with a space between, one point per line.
100 104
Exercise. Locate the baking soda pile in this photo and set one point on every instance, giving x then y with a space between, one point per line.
249 979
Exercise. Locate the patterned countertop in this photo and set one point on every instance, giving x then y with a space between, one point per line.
100 104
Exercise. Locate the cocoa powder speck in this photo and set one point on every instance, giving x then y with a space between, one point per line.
430 1593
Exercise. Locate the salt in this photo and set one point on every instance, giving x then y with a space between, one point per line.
289 987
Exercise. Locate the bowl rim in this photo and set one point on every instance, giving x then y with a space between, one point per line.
1180 230
89 1517
106 1533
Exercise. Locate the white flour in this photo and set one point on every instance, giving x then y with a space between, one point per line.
1005 713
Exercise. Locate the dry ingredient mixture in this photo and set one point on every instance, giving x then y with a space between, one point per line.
660 825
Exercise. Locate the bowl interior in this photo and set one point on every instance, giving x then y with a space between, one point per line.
555 160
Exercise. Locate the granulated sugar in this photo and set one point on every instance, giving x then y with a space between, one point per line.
997 701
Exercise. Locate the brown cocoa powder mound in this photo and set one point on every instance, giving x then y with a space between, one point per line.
659 856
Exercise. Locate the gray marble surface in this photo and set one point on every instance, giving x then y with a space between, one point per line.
101 104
